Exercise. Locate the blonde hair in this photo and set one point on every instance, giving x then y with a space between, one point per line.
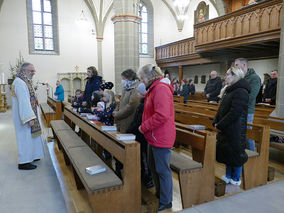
149 73
237 74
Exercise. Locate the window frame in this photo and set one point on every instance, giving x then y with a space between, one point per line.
31 34
150 31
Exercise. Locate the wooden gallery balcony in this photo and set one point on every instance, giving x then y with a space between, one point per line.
252 32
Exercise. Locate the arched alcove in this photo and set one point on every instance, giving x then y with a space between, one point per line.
77 84
66 85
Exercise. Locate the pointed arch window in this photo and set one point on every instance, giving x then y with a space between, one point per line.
42 26
145 30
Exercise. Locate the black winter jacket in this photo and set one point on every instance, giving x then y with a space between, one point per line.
213 87
270 90
93 84
231 121
133 128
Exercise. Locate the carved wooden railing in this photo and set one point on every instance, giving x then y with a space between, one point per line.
251 24
175 49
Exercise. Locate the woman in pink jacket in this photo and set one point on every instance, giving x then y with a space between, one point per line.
158 127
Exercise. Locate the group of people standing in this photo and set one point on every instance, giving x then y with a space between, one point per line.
146 109
184 89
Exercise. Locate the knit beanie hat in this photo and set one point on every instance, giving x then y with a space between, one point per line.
141 88
106 85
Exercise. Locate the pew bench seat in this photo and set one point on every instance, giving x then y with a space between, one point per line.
83 157
279 146
181 163
251 154
59 125
48 113
103 188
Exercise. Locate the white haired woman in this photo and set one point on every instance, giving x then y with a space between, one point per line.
158 127
231 123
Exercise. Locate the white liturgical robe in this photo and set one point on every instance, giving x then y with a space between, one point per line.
29 148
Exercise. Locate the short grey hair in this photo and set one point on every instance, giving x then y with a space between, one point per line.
242 60
24 66
150 73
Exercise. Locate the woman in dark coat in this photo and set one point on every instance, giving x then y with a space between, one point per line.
93 84
231 123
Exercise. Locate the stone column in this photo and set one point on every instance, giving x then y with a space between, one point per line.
100 60
279 110
180 74
126 38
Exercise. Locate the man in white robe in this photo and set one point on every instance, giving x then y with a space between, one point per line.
25 114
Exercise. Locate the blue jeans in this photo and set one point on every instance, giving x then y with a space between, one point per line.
250 143
233 172
159 163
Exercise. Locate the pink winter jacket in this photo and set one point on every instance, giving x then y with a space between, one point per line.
158 121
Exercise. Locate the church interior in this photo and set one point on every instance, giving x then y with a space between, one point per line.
187 39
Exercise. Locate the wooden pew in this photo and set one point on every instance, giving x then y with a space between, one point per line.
196 108
259 111
256 169
199 96
125 198
196 176
178 99
56 106
259 105
276 124
47 112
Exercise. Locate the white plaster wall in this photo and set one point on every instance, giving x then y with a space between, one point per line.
199 70
263 66
76 46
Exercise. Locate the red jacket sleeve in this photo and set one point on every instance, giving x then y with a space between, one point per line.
161 106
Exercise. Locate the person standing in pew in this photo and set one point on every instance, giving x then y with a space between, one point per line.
93 83
133 128
25 115
231 123
158 127
125 111
213 87
191 87
59 92
255 83
184 90
269 95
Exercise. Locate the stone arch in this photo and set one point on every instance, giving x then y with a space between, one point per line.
220 6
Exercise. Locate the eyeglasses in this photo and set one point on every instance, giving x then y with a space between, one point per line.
32 71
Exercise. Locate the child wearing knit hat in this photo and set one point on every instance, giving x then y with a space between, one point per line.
105 114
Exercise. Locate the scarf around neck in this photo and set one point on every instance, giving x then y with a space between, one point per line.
35 129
